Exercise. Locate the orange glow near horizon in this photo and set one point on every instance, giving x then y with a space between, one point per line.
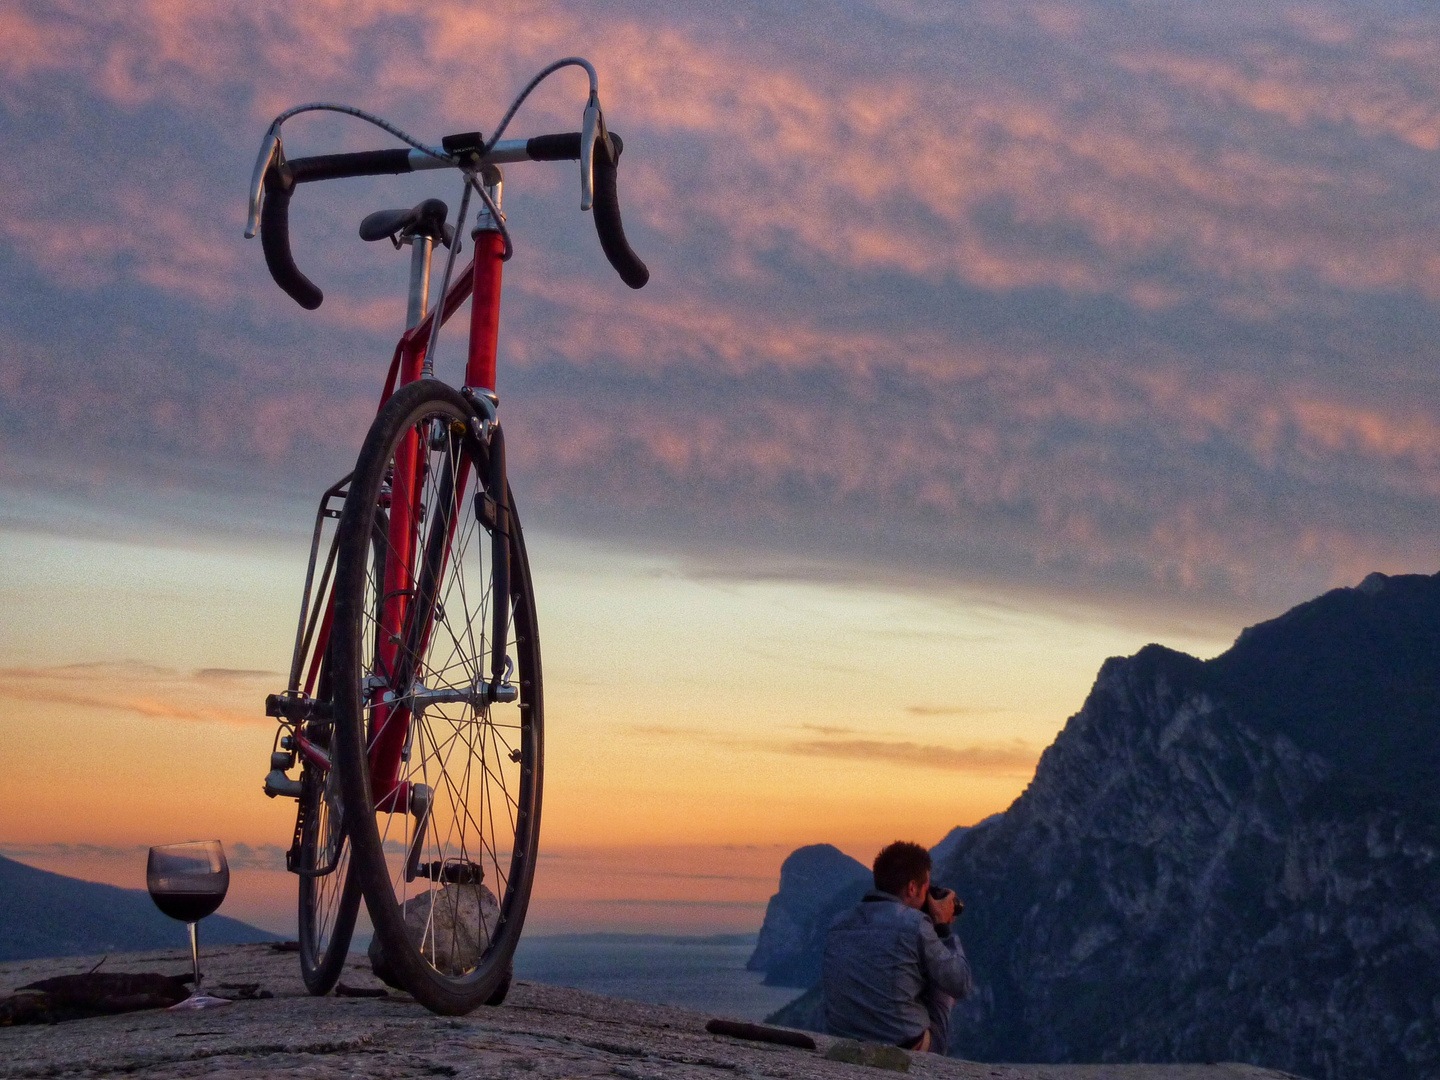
683 889
698 728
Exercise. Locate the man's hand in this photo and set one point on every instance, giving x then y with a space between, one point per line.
940 905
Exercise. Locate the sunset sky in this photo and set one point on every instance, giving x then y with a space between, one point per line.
984 341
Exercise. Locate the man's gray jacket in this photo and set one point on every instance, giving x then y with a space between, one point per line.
884 963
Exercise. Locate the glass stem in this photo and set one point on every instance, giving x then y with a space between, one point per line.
195 954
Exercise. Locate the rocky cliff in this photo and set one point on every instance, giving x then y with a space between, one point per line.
1233 859
816 883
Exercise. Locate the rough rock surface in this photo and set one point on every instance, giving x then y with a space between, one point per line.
540 1033
1232 859
946 848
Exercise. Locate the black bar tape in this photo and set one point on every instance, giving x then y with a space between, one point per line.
275 240
607 216
305 170
280 181
554 147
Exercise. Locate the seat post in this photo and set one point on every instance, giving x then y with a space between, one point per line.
420 250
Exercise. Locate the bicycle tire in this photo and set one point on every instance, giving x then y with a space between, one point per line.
481 759
328 903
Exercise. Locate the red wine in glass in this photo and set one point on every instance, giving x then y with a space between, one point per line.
188 882
188 907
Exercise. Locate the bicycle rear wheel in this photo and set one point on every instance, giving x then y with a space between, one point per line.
444 814
329 892
329 902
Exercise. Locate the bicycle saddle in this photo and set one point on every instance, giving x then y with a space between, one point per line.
423 219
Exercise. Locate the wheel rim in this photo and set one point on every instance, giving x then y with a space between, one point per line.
325 922
479 760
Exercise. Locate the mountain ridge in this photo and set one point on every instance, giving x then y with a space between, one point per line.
1228 859
43 914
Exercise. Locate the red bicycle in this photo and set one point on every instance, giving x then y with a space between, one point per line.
414 705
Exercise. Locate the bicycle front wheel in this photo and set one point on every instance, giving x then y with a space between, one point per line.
437 701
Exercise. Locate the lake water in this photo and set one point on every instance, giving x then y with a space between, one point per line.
706 974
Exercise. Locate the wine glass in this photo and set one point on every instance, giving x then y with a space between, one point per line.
188 882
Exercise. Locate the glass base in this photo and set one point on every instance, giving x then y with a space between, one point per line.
200 1001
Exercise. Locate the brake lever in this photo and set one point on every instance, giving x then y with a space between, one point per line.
268 149
588 130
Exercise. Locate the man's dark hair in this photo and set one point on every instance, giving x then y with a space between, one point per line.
898 865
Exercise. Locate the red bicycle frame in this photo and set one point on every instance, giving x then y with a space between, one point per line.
479 282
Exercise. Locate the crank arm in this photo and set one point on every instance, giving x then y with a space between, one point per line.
421 799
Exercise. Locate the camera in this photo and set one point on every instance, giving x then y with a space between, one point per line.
937 894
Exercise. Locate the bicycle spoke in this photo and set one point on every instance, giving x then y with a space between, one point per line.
510 804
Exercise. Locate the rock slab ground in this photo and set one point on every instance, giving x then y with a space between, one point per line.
540 1033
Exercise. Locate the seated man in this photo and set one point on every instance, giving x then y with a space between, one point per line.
893 968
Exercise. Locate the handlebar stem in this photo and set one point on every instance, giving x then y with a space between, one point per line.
492 182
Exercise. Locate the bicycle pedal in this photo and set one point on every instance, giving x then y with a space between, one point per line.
451 872
295 706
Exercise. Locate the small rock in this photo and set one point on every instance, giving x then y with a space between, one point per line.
342 990
244 991
26 1007
875 1055
452 937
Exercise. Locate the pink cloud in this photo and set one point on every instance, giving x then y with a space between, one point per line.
1015 759
833 158
1035 285
141 690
